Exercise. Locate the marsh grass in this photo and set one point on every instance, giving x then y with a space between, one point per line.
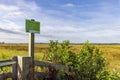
110 52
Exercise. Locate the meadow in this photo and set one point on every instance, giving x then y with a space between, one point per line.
110 52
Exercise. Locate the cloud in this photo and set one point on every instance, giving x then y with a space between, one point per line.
9 31
68 5
10 26
8 7
10 11
84 22
13 17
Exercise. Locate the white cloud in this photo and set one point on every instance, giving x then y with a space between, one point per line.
11 12
77 25
11 26
8 8
68 5
31 5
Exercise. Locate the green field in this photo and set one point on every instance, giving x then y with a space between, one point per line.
110 52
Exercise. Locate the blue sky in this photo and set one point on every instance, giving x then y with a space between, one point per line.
76 20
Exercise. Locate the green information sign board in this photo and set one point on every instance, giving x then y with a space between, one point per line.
32 26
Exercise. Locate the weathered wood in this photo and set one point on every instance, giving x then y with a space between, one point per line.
46 64
14 68
5 63
31 45
25 68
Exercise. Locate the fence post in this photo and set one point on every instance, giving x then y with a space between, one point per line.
14 68
25 69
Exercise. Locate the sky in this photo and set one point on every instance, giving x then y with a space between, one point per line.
97 21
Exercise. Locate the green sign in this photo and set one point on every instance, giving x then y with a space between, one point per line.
32 26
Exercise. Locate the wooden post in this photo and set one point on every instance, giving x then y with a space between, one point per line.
31 45
31 51
25 69
14 68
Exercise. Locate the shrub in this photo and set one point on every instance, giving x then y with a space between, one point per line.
88 63
91 63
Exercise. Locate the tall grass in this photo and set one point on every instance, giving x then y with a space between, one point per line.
110 52
8 54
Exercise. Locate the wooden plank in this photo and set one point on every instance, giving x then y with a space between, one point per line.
14 68
46 64
25 69
6 63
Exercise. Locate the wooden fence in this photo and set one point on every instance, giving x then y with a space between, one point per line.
23 68
9 63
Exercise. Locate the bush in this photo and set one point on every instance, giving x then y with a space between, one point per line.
88 63
91 63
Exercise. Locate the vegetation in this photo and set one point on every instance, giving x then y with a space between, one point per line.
91 62
88 63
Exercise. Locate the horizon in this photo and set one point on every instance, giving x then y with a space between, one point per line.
61 42
97 21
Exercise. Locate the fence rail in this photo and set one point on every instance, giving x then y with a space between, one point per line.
53 71
22 68
58 67
7 63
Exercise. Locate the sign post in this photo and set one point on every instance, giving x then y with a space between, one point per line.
32 27
31 45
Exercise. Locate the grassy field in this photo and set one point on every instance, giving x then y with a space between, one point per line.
110 52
